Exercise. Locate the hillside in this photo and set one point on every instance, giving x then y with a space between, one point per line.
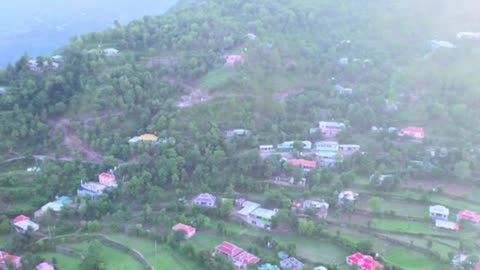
170 78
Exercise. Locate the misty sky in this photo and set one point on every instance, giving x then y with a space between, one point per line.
39 27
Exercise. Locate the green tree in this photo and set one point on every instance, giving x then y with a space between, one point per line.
93 259
375 204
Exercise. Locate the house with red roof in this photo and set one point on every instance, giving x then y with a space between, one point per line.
107 179
468 216
363 262
447 225
45 266
240 258
416 133
20 219
228 249
234 59
305 164
189 230
6 258
23 223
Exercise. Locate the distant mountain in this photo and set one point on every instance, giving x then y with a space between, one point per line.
40 27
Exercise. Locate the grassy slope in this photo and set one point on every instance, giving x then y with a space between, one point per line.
65 262
407 259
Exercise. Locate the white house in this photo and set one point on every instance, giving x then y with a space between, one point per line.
266 147
448 225
110 52
439 212
262 218
247 208
348 149
347 196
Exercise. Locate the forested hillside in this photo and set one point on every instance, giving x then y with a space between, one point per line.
86 110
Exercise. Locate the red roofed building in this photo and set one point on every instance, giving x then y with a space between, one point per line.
364 262
469 216
20 219
229 249
233 59
244 259
413 132
477 266
189 230
5 258
107 179
306 164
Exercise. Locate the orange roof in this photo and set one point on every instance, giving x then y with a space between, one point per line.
148 137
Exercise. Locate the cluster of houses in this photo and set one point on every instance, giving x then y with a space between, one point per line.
106 182
16 261
326 153
439 215
255 215
51 64
239 257
414 134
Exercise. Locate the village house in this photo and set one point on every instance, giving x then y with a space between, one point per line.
468 35
55 206
343 61
23 224
330 129
108 180
467 215
447 225
57 58
437 44
326 146
232 60
268 267
2 90
188 230
45 266
348 149
412 132
262 218
237 132
347 196
144 138
246 207
439 212
304 205
205 200
343 90
458 259
6 258
240 258
363 262
289 145
109 52
91 189
328 159
305 164
291 263
266 147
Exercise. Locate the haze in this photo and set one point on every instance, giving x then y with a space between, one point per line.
40 27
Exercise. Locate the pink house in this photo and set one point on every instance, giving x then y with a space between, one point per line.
413 132
306 164
228 249
364 262
45 266
234 59
189 230
5 258
241 259
469 216
107 179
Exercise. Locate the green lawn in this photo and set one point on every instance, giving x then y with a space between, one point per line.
157 255
63 262
114 259
410 259
402 226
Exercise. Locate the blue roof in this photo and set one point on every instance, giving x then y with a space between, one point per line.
64 200
268 267
282 255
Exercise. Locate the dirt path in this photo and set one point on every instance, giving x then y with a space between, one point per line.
72 142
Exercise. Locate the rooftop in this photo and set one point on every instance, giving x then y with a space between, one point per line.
264 213
229 249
